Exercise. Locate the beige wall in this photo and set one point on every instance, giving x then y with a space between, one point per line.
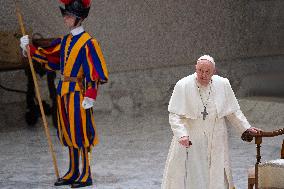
144 34
136 34
148 45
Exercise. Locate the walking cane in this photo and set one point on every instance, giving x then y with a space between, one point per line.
47 133
185 165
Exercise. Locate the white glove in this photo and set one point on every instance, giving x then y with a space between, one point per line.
24 42
88 103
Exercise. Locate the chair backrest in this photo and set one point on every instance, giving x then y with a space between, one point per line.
282 150
258 140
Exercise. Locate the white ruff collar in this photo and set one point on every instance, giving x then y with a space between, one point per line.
77 31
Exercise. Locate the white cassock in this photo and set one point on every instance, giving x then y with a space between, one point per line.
208 164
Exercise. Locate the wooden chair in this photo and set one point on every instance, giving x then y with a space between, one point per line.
253 173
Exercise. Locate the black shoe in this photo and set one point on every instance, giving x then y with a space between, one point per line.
78 184
62 181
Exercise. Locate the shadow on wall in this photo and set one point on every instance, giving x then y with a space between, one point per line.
264 84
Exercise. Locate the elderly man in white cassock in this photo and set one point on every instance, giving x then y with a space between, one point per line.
198 157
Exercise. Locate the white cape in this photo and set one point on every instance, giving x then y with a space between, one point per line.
186 102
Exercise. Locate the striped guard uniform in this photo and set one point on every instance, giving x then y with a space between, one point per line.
78 57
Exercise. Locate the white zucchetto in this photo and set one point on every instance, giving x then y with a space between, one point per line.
207 57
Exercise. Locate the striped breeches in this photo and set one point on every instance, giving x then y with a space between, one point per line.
76 126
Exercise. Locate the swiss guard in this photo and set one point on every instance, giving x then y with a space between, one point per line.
82 66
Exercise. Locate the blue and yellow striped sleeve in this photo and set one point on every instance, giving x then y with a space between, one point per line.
94 67
48 57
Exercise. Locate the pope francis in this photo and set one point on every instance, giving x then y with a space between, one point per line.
198 157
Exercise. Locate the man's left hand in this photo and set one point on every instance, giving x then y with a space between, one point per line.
88 103
254 130
247 135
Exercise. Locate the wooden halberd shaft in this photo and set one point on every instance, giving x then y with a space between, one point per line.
47 133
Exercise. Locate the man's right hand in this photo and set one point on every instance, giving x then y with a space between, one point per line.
24 42
185 141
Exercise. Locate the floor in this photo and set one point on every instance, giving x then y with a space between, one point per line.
131 154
